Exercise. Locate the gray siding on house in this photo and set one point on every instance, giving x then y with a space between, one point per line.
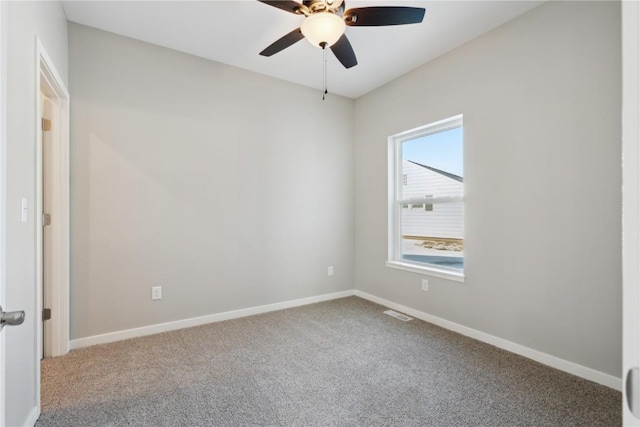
446 219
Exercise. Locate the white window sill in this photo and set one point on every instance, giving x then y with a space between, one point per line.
427 270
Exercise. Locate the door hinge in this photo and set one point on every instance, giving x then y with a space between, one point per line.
46 219
46 124
46 314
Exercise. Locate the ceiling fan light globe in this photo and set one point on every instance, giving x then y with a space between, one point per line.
323 27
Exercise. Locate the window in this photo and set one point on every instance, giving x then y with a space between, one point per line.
426 205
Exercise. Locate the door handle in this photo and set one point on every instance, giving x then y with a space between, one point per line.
11 318
633 391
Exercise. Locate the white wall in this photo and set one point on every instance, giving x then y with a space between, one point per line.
541 100
227 188
26 20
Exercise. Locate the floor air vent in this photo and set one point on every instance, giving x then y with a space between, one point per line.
398 315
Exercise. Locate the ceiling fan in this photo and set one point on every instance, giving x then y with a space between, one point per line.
326 20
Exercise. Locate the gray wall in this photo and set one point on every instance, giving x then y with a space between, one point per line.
227 188
541 100
26 20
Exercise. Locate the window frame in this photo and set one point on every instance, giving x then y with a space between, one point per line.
395 180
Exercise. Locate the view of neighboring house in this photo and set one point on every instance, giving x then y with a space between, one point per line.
431 221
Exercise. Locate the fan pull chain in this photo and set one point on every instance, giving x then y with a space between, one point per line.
324 70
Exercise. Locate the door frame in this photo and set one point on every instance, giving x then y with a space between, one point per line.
48 81
3 205
631 198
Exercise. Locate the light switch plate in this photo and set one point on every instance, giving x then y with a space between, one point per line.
24 210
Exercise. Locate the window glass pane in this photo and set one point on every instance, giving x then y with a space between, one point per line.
433 233
432 239
433 165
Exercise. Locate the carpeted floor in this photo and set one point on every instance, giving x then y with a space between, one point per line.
337 363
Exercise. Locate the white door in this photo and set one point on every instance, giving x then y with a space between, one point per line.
16 344
16 335
18 372
2 208
631 212
2 234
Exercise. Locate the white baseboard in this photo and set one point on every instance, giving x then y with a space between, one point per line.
546 359
202 320
32 417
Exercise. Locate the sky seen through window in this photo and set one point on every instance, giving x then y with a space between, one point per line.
442 150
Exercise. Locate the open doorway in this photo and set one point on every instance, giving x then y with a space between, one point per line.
52 198
50 229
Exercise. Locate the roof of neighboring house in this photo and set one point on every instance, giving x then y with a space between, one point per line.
447 174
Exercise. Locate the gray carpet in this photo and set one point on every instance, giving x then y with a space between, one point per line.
341 363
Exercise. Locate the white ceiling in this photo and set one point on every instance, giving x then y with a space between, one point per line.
234 32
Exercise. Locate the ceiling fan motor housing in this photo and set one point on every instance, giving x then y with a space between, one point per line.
335 6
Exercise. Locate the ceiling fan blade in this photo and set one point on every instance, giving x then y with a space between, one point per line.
286 5
344 52
283 42
383 15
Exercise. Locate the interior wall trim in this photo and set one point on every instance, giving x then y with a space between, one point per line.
546 359
202 320
33 416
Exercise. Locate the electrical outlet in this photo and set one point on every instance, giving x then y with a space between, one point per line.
156 292
330 270
425 285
